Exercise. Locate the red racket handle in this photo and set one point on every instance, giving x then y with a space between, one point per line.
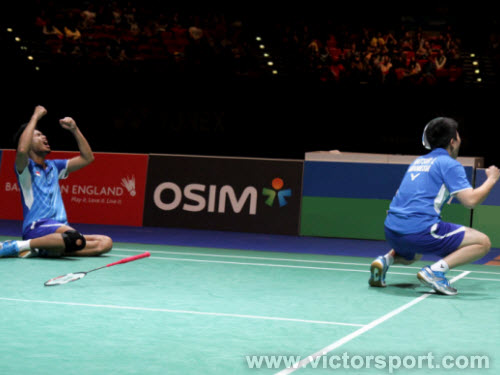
130 259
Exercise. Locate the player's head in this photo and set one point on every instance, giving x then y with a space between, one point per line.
39 143
441 132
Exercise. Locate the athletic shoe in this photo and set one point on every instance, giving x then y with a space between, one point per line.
9 249
436 280
378 269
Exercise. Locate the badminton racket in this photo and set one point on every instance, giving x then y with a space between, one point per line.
64 279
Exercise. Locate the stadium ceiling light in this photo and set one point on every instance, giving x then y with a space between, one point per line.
17 39
476 71
275 72
479 79
30 58
258 39
270 63
474 63
472 55
262 46
266 54
9 29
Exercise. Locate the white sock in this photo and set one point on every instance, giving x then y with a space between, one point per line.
24 245
389 257
440 266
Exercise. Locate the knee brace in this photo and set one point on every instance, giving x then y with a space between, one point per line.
71 238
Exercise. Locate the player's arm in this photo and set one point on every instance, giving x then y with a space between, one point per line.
86 155
24 143
470 198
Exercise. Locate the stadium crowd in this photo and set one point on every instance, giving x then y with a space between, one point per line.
134 37
126 36
373 54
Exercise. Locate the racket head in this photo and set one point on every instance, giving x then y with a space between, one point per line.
64 279
425 142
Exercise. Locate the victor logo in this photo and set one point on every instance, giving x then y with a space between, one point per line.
277 185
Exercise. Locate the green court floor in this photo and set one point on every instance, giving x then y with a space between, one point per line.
213 311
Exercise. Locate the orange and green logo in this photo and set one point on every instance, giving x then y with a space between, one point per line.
277 190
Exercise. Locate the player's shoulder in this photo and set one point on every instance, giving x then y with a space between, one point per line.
447 160
445 164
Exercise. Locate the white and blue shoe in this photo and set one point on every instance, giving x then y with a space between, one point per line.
436 280
9 249
378 270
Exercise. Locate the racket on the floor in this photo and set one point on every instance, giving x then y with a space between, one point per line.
64 279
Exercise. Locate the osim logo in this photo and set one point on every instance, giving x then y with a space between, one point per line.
202 197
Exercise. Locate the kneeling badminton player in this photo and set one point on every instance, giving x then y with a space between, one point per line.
45 226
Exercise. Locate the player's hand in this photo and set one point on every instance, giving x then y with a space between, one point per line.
68 123
39 112
493 172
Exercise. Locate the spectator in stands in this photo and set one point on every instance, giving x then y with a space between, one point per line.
385 66
337 69
407 42
88 17
414 69
390 42
424 51
440 60
356 68
49 29
72 33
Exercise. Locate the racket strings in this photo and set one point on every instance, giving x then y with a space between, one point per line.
64 279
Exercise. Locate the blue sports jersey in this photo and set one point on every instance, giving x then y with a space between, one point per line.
40 192
427 184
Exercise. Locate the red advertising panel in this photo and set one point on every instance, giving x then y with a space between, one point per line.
109 191
10 198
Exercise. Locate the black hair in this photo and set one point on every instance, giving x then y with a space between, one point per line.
440 131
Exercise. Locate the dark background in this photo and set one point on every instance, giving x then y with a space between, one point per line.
278 117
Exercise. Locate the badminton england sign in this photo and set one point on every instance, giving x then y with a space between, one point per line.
237 194
108 191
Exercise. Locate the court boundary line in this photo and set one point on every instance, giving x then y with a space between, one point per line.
292 266
256 264
174 311
344 340
289 260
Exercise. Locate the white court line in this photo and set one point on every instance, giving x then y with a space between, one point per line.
245 257
255 264
481 279
287 266
287 260
181 312
359 332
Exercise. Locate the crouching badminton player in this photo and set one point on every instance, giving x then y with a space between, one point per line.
45 227
413 225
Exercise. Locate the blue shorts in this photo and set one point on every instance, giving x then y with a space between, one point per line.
440 239
41 228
